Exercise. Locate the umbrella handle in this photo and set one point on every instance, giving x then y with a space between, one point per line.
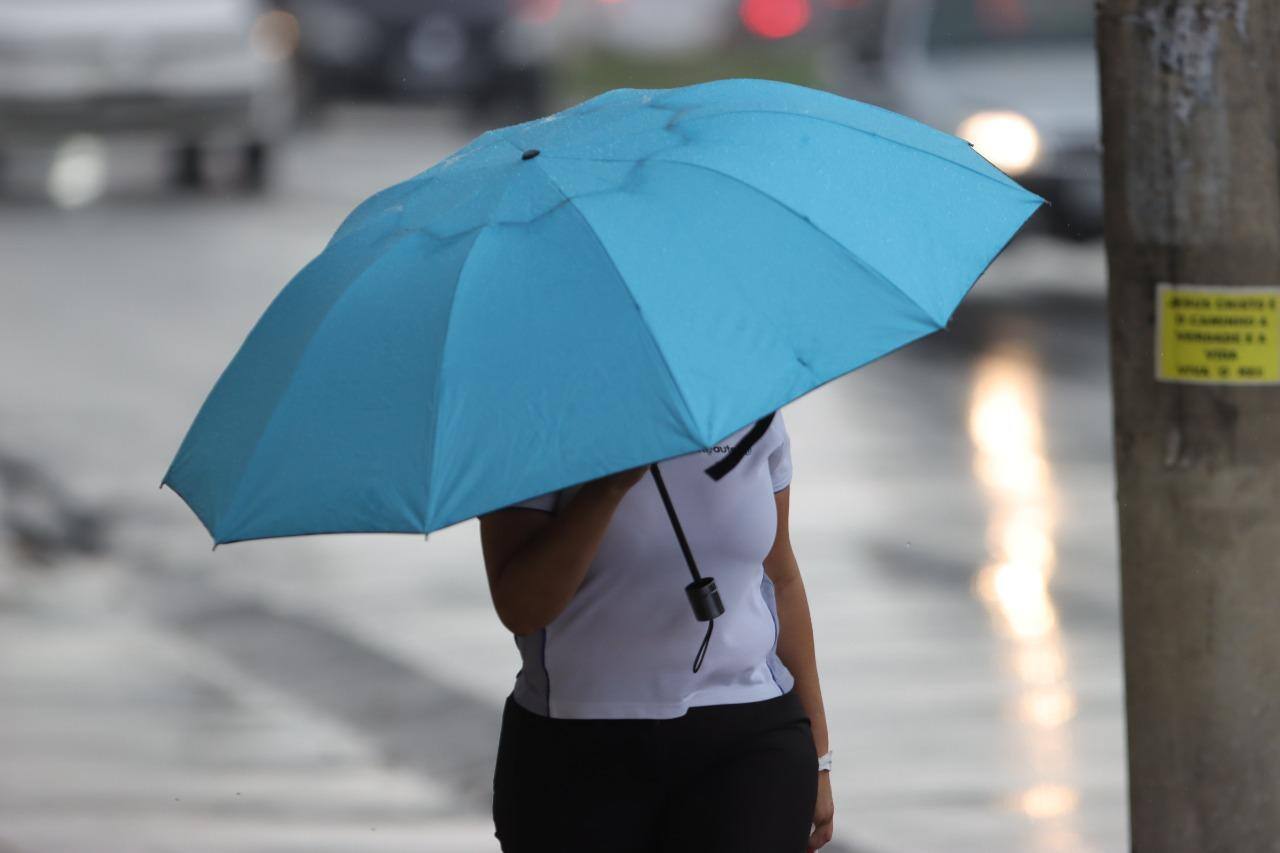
703 596
675 525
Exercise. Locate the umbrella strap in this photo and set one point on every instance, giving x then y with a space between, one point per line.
702 594
702 650
729 462
675 522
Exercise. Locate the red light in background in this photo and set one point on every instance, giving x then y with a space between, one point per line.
1006 17
538 11
775 19
608 2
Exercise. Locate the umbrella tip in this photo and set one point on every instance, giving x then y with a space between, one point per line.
530 154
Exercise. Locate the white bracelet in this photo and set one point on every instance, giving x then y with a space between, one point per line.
824 761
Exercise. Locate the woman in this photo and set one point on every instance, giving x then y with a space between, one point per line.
610 740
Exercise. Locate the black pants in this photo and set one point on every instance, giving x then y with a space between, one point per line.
739 778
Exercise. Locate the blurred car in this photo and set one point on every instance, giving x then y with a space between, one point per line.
203 72
1017 78
483 53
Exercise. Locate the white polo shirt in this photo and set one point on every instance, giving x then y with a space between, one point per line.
624 645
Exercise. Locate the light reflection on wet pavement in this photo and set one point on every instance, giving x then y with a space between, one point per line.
1006 426
951 512
961 528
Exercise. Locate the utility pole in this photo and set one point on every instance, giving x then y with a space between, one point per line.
1190 131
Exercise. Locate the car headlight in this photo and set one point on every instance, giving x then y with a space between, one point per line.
1008 139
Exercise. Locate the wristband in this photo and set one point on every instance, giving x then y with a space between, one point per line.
824 761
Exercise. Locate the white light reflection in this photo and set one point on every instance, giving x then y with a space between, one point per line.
1006 428
1044 801
78 174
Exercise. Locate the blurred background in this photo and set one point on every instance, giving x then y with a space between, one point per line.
167 165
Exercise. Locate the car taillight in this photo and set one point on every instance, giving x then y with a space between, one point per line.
775 19
538 11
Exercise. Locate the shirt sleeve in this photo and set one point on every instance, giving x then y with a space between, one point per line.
546 503
780 457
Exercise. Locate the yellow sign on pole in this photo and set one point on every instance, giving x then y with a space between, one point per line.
1217 335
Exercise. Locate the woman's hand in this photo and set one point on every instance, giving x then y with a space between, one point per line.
823 813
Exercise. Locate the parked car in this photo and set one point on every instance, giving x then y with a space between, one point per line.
204 73
482 53
1017 78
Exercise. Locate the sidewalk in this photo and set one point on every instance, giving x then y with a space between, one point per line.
120 736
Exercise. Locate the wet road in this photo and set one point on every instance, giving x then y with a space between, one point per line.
951 512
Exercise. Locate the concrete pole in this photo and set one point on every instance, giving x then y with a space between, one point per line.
1190 129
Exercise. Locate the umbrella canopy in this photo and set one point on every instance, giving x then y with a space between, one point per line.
629 280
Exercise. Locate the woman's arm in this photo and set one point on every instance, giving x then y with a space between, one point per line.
795 650
536 560
795 630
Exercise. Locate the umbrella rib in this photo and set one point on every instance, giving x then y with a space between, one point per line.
448 324
662 356
1008 183
444 344
843 248
444 353
302 356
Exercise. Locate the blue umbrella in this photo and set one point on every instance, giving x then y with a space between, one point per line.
631 279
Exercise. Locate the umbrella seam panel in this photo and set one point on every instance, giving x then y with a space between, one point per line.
662 356
1007 183
861 262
